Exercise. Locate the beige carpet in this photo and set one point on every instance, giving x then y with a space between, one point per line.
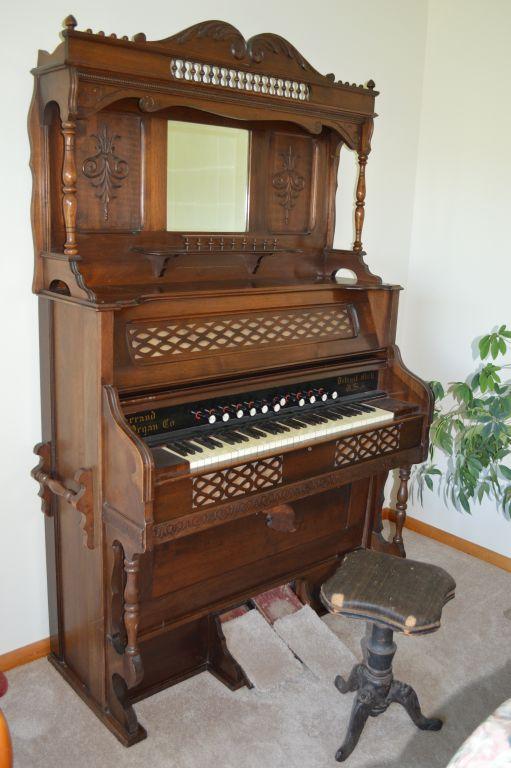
461 673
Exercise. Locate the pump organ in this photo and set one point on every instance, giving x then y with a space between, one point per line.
219 412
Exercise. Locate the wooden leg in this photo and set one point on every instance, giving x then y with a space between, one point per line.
403 694
359 714
220 662
352 683
401 506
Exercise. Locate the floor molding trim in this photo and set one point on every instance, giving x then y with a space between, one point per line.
494 558
25 654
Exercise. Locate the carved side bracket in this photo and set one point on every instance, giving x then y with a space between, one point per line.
80 497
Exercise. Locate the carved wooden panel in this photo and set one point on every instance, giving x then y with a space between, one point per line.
239 80
108 151
217 487
160 341
366 445
290 190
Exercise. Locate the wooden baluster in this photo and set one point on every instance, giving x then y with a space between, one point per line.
359 207
402 503
363 154
133 662
69 187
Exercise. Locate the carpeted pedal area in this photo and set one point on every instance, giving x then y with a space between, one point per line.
461 673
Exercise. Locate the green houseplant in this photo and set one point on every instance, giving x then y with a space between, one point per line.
471 428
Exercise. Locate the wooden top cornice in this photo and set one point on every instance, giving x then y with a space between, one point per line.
99 76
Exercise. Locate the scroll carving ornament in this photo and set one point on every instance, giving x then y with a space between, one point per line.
287 182
255 48
105 169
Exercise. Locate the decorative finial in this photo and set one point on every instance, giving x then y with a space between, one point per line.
70 22
139 37
330 76
371 84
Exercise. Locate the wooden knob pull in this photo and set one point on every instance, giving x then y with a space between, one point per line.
281 518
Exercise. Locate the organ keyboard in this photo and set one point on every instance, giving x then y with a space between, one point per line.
222 395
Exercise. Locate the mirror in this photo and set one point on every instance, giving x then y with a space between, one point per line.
207 178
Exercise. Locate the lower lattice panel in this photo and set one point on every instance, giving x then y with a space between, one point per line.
354 448
217 487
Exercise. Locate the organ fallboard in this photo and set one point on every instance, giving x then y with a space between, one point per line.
222 395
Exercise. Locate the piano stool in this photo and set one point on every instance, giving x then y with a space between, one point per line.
393 595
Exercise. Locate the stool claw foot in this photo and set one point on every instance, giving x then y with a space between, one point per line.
405 695
359 714
352 683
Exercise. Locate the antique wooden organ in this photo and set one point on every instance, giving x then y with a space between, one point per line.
221 406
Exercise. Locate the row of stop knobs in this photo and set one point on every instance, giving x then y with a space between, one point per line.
254 407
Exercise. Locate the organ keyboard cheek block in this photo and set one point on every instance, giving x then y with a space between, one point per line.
221 407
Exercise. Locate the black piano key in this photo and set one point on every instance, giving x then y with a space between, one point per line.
293 422
268 428
229 438
332 415
278 428
310 418
205 441
282 426
250 431
242 438
191 447
179 449
368 408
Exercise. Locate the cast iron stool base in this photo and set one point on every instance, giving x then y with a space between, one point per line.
377 689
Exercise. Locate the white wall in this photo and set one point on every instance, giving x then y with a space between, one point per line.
459 280
382 39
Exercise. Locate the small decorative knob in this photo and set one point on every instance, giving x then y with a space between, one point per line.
70 22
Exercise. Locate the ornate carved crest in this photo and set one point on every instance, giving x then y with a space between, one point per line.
255 48
288 183
105 170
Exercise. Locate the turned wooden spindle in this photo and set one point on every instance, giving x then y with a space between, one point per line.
360 202
69 188
401 505
131 619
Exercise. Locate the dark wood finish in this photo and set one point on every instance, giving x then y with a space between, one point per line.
377 689
135 318
392 594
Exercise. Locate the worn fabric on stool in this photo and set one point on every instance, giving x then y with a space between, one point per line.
392 594
406 595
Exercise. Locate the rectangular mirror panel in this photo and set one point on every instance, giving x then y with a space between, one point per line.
207 178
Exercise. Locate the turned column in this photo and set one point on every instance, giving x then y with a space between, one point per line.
133 662
401 506
69 187
360 202
360 196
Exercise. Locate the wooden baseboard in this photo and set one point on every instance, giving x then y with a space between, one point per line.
24 655
501 561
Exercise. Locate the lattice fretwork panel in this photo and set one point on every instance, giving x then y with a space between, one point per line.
165 340
366 445
218 487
